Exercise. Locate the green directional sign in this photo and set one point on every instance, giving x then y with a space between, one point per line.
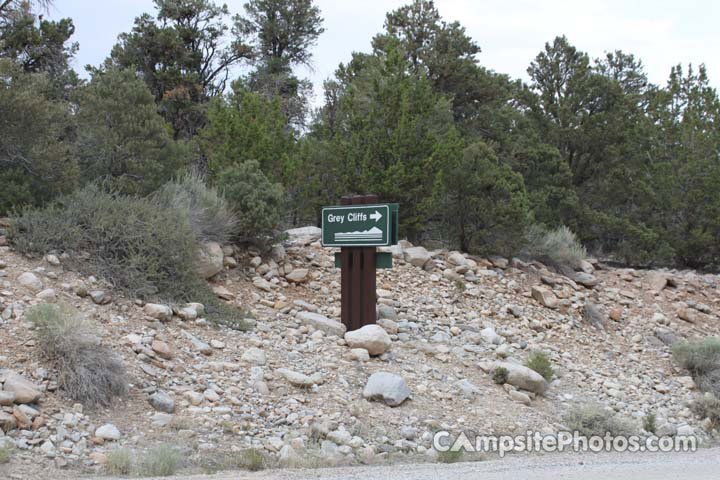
359 225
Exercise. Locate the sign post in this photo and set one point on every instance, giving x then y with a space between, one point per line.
358 225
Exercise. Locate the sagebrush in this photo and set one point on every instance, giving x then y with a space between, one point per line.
540 362
7 449
558 248
119 461
209 215
707 406
162 461
590 419
500 375
702 359
141 245
698 357
89 372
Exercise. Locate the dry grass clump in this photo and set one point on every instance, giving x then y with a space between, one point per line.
558 248
590 419
89 372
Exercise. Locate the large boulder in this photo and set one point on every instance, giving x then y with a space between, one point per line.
386 387
372 338
210 259
25 391
321 322
523 377
417 256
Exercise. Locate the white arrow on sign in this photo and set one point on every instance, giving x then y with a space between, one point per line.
376 216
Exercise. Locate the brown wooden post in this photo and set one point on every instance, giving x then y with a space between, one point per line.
357 277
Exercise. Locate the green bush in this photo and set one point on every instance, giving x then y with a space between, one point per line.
500 375
119 461
558 248
7 449
143 247
450 456
210 216
540 362
700 358
257 201
591 419
162 461
650 423
89 372
707 406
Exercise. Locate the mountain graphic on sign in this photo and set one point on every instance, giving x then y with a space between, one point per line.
372 234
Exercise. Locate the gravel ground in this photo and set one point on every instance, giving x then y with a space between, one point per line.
701 465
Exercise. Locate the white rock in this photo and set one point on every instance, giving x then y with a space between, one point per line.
300 379
417 256
321 322
158 311
210 259
523 377
254 355
108 432
386 387
30 281
372 338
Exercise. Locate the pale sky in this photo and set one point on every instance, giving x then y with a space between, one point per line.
510 33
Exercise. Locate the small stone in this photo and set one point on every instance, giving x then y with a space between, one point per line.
544 296
108 432
162 419
52 260
100 297
30 281
223 292
298 275
254 355
158 311
210 259
7 422
386 387
262 284
370 337
299 379
195 398
98 458
656 281
7 399
198 345
520 397
162 402
585 279
162 349
47 295
417 256
616 314
321 322
25 391
217 344
359 355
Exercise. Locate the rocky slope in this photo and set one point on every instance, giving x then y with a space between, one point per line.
296 384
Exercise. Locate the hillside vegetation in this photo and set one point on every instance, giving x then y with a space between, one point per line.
476 159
